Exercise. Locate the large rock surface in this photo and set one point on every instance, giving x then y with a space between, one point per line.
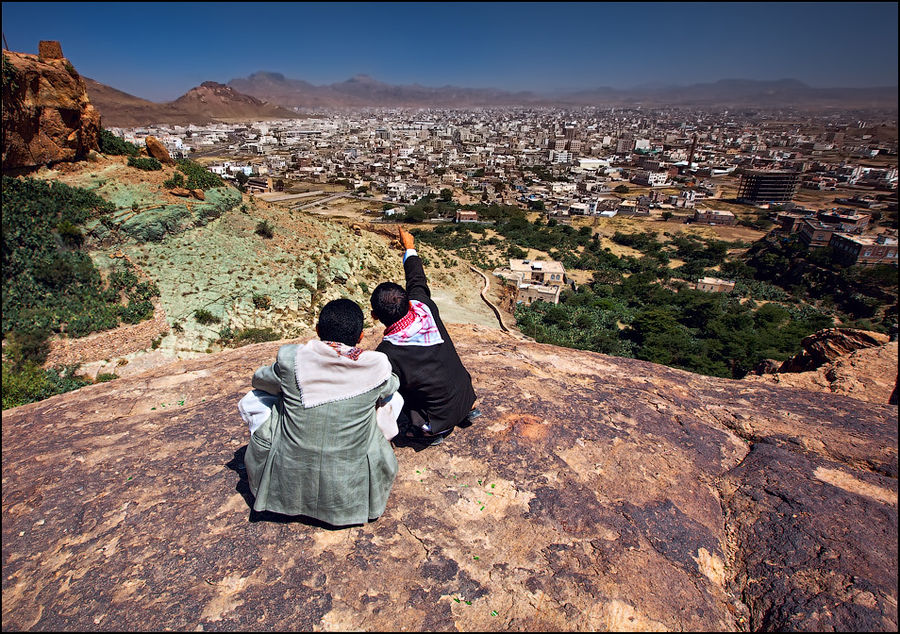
47 115
595 493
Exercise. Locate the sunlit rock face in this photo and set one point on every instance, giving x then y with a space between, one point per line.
47 115
594 493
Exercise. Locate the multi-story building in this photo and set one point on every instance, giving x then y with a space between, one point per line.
650 179
815 234
846 220
864 250
768 186
536 279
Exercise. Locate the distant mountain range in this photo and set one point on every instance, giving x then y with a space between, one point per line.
362 90
268 95
208 102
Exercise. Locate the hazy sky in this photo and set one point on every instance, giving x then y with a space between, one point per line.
159 51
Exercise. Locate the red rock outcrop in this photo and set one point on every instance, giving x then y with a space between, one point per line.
47 115
158 151
856 363
595 493
828 345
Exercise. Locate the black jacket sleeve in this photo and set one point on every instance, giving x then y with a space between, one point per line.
416 282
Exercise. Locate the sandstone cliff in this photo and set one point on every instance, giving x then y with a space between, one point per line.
594 493
47 115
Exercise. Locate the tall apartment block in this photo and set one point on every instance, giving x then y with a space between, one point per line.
764 186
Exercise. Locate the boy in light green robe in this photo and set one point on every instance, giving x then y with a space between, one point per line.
320 453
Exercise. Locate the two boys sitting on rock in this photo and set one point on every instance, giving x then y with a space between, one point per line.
322 416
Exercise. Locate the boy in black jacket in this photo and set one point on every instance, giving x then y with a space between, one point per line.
436 387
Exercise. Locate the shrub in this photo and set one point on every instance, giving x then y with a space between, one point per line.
70 235
262 301
204 317
246 336
177 180
31 383
147 164
264 229
50 284
111 144
198 177
103 377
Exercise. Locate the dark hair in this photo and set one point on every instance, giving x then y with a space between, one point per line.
341 320
390 303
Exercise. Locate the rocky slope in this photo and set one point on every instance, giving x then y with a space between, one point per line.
204 104
47 115
223 102
594 493
856 363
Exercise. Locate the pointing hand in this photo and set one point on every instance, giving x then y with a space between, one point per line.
406 239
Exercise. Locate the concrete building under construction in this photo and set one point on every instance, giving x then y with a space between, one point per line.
768 186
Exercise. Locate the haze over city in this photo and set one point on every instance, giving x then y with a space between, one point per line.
158 51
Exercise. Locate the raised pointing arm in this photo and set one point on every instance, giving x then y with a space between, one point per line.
416 282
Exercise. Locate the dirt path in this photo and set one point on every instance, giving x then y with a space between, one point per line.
487 286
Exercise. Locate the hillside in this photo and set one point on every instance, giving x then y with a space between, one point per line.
201 105
595 493
223 102
119 109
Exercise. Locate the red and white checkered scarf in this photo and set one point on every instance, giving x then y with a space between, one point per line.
417 328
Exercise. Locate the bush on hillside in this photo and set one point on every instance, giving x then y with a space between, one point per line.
198 177
111 144
265 229
204 317
147 164
246 336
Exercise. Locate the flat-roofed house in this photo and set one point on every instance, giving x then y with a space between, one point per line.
715 285
815 234
536 279
549 272
847 220
864 250
714 217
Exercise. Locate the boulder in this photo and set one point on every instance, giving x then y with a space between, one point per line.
198 194
595 493
767 366
180 191
869 374
158 151
828 345
47 115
